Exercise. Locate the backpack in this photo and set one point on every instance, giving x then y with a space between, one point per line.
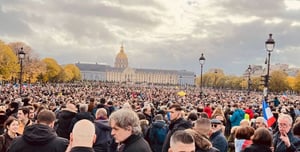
158 134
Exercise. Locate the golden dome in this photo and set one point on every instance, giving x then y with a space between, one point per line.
121 59
121 54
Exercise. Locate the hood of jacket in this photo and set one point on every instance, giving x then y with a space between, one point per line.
66 114
240 112
38 134
180 123
159 123
202 142
84 115
102 125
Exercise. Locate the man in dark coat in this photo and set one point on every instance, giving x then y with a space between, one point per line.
40 137
217 137
126 130
65 117
104 141
83 114
177 123
284 140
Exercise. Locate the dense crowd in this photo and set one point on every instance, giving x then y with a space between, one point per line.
106 117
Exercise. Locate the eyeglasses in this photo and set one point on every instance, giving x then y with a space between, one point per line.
283 125
214 125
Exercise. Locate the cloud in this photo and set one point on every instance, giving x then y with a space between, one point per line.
156 34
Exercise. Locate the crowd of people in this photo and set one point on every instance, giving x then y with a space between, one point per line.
107 117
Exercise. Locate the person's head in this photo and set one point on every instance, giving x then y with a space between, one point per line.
244 132
192 116
260 122
158 117
284 123
221 118
147 110
83 134
216 125
182 141
83 108
203 115
203 126
71 107
124 123
23 113
101 113
52 106
11 124
175 112
262 136
244 123
296 129
46 117
201 141
31 112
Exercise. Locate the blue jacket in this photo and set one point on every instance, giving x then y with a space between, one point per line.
219 141
237 116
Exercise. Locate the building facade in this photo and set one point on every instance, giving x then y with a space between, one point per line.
121 72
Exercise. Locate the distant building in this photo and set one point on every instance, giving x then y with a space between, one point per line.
121 72
259 70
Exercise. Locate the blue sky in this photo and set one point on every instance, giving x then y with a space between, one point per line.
162 34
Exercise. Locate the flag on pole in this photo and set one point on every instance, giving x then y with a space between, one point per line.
268 115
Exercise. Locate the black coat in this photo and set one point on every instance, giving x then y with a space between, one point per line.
279 146
5 141
81 116
39 138
257 148
135 143
179 124
64 121
82 149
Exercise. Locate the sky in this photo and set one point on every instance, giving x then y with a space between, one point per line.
156 34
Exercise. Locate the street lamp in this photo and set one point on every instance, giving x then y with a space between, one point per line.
269 44
215 83
21 55
180 79
249 70
201 61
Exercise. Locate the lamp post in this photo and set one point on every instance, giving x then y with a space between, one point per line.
180 79
249 70
201 61
215 82
269 44
21 55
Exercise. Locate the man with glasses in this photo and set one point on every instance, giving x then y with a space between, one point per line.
217 137
284 140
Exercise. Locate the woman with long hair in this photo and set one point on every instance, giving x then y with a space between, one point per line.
261 141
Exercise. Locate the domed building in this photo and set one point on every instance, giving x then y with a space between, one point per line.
121 72
121 59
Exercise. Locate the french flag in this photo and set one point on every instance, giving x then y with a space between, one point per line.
268 115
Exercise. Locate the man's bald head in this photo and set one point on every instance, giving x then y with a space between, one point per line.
83 134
